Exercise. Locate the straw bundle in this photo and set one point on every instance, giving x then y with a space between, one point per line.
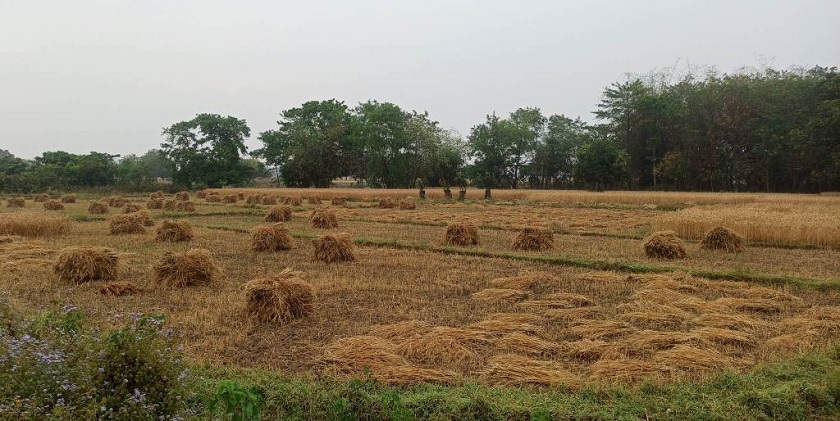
463 234
509 369
83 264
193 267
126 224
281 213
279 298
334 248
15 202
69 198
722 238
119 288
98 208
533 239
323 218
174 231
53 205
664 245
273 237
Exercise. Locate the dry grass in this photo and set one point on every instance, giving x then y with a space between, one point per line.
759 305
408 204
116 201
201 194
689 358
533 239
499 294
512 369
463 234
448 347
273 237
559 300
27 224
313 200
83 264
722 238
130 208
599 329
339 201
401 330
664 245
155 203
182 196
323 218
279 298
386 203
730 321
119 289
506 324
518 343
281 213
572 314
334 248
727 337
174 231
193 267
98 208
15 202
126 224
624 370
145 218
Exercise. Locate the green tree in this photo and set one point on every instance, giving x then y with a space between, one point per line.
601 163
379 133
492 145
311 146
207 150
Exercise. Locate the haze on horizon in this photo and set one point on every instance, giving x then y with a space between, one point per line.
109 75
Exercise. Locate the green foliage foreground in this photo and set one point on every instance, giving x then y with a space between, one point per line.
53 366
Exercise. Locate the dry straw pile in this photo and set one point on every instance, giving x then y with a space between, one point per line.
463 234
130 208
127 224
27 224
339 201
157 195
182 196
512 369
53 205
145 218
314 200
334 248
155 203
279 298
193 267
98 208
201 194
253 199
292 201
119 288
323 218
271 200
15 202
722 238
280 213
185 207
533 239
116 201
174 231
40 197
69 198
664 245
386 203
230 198
170 204
83 264
273 237
408 204
213 198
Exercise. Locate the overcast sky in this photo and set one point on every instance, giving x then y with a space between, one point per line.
107 76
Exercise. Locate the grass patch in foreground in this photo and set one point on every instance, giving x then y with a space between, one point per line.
802 388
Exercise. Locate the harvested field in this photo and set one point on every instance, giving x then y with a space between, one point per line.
410 309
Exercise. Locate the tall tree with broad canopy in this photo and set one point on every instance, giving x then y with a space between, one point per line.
207 151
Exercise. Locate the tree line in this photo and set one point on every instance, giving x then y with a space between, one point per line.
766 130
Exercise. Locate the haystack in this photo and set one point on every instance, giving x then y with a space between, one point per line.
463 234
407 204
273 237
279 298
193 267
185 207
253 199
213 198
157 195
119 288
230 198
126 224
386 203
314 200
339 201
53 205
534 239
145 218
15 202
40 197
170 204
83 264
69 198
280 213
155 203
130 208
98 208
116 201
174 231
323 218
291 201
664 245
271 200
334 248
182 196
722 238
201 194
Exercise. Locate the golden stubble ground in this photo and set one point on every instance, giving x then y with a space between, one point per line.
386 286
